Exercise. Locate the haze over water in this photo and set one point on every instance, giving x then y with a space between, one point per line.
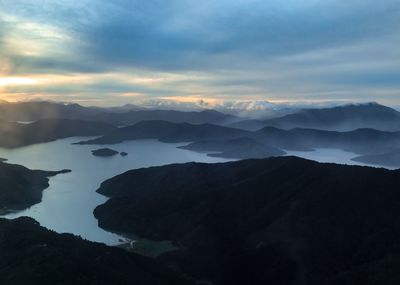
328 155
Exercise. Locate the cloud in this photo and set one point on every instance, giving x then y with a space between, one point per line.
218 34
224 50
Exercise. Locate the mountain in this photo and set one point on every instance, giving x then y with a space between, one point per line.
273 221
21 187
363 141
168 132
236 143
391 158
249 124
133 117
234 148
33 111
123 109
16 135
341 118
31 254
124 115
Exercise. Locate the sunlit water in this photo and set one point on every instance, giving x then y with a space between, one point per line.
331 155
68 204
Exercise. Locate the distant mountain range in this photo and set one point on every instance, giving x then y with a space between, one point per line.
274 221
363 141
33 111
216 140
118 116
168 132
208 130
341 118
269 141
133 117
16 135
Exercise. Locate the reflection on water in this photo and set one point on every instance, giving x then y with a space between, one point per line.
68 204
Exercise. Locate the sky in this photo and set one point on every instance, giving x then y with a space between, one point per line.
202 53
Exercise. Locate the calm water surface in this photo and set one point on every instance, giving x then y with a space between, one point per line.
331 155
68 204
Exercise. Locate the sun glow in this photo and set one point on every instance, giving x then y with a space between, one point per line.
15 81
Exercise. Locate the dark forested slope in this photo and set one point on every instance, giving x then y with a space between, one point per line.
273 221
31 254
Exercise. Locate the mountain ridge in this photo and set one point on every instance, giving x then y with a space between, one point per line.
339 118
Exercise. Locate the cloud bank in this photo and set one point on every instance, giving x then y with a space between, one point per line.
107 52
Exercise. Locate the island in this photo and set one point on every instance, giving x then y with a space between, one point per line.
282 220
104 152
21 187
123 153
240 148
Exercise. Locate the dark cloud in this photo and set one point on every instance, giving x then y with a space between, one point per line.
298 49
171 35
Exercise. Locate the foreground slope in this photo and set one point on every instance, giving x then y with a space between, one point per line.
31 254
274 221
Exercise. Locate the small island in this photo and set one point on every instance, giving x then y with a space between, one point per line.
104 152
123 153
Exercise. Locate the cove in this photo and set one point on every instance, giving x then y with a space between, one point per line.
67 205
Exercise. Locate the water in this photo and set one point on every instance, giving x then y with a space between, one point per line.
68 204
331 155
